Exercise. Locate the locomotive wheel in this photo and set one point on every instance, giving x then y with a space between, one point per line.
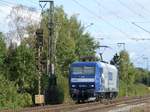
97 98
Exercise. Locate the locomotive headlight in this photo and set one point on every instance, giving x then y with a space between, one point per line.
92 85
73 85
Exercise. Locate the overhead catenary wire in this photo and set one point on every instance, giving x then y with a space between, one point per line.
117 16
92 12
130 9
100 18
113 13
141 21
141 6
141 28
134 13
3 3
12 4
8 3
33 2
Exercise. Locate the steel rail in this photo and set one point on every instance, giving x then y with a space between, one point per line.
84 107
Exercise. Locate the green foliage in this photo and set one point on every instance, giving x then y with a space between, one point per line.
122 88
17 78
115 60
9 97
143 76
141 89
130 77
2 50
64 85
55 94
72 42
135 89
18 72
19 62
21 67
124 65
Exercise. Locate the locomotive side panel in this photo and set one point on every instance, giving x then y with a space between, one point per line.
112 79
109 78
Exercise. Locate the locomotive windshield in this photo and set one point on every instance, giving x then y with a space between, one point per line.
84 70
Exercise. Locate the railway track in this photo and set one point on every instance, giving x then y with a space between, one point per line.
86 107
101 108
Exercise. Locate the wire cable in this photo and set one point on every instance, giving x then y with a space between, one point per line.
33 2
100 18
131 10
141 6
14 4
11 4
117 16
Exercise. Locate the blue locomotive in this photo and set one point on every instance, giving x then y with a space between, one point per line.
93 80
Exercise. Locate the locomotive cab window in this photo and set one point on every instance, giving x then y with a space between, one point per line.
110 77
84 70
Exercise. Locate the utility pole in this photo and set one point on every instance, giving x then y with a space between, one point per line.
51 42
51 47
122 44
39 34
147 64
147 67
101 53
39 99
126 69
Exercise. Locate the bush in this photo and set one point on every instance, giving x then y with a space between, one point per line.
122 88
9 98
133 89
26 100
63 84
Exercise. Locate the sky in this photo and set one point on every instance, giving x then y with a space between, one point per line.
112 23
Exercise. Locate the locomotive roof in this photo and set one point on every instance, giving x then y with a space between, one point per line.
99 63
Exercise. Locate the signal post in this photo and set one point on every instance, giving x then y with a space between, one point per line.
39 99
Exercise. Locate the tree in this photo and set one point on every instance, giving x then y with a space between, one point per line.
130 77
22 21
115 60
126 69
124 65
2 50
84 43
22 68
143 76
71 43
9 97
